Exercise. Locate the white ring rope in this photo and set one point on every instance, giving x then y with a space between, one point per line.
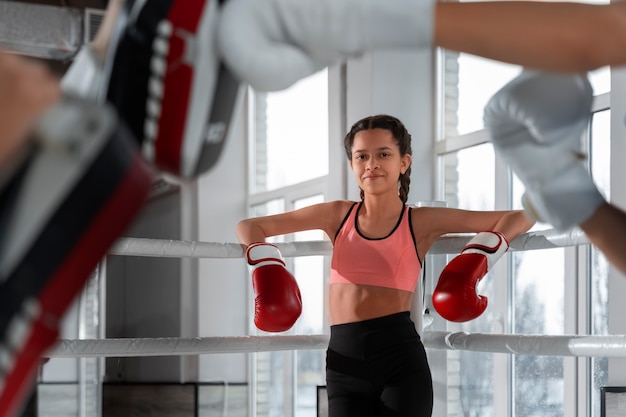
539 345
544 239
603 346
174 346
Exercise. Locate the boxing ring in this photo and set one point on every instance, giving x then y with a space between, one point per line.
548 345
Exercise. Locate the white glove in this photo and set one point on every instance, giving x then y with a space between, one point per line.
271 44
536 124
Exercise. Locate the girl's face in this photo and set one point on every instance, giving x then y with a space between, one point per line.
376 161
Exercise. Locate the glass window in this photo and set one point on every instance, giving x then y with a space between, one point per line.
479 79
289 146
600 141
272 370
539 309
310 274
470 184
538 287
469 178
470 81
290 134
268 208
537 282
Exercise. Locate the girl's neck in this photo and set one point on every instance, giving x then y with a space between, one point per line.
379 206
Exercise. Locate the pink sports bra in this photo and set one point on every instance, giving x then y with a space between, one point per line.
391 261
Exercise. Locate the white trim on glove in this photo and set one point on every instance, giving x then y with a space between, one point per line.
259 254
490 244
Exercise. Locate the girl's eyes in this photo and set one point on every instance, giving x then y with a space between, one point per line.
361 157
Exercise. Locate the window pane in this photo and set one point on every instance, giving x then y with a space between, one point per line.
272 369
469 184
268 208
309 272
290 134
538 304
469 178
599 283
538 300
287 381
469 82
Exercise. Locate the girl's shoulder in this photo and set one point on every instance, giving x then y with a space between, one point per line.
339 206
335 213
328 210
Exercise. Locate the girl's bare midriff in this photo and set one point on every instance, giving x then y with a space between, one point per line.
351 303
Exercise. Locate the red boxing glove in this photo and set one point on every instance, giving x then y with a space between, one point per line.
455 298
277 299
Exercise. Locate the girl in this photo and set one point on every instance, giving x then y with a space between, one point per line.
376 364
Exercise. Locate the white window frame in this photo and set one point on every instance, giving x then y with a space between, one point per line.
292 193
577 371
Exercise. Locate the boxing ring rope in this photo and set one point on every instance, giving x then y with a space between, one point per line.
539 345
548 345
164 248
176 346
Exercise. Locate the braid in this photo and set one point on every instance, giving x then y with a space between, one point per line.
405 182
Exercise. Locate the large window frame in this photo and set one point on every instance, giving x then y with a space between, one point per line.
289 195
579 398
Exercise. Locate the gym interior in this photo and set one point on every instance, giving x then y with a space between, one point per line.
282 151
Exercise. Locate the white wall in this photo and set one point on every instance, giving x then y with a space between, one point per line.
223 300
399 84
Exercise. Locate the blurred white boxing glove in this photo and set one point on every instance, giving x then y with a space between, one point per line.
271 44
536 124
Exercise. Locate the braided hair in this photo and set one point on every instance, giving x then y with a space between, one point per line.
400 134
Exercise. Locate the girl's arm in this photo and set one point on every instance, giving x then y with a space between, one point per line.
430 223
513 224
278 302
324 216
553 36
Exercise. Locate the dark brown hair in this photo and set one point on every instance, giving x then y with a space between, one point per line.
400 134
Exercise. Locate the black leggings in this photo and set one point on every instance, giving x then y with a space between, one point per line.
378 367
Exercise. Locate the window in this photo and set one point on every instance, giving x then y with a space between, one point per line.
475 387
290 135
289 166
538 291
598 285
311 273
